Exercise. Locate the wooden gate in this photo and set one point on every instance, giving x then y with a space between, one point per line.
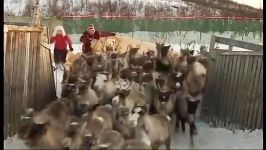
234 95
28 74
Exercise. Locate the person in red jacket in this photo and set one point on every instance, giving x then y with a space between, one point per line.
61 40
89 35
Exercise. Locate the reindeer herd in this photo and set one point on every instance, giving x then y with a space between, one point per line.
120 101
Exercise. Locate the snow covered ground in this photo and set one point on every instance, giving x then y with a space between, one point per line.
208 138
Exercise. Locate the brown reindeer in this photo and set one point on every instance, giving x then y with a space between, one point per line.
153 130
192 92
45 129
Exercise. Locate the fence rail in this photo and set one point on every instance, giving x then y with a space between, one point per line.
234 97
28 75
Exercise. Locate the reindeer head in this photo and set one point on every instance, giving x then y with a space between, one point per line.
69 90
148 66
32 132
165 50
164 90
137 113
120 98
146 78
126 74
88 141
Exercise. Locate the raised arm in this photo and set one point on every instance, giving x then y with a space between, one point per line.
83 38
105 34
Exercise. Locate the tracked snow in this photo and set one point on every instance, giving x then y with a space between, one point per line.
208 138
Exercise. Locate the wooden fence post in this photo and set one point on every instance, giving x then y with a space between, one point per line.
231 46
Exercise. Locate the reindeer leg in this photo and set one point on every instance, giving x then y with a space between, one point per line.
191 136
193 131
192 107
168 143
183 125
177 123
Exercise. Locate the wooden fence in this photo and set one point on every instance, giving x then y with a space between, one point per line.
234 97
28 74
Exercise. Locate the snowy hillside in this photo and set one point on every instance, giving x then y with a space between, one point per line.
169 8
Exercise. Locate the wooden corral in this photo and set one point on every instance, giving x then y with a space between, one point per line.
28 74
234 97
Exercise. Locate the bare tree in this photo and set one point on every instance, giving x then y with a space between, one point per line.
53 8
29 8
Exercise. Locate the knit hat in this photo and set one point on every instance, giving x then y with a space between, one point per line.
57 28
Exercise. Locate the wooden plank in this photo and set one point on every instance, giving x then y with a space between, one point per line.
212 45
20 57
42 76
13 83
30 77
248 92
243 91
5 29
248 53
39 74
260 100
14 28
229 90
17 23
244 61
9 77
37 68
24 71
238 43
44 88
51 72
216 90
213 90
11 104
7 86
27 99
34 78
231 46
254 97
17 83
222 89
5 38
234 89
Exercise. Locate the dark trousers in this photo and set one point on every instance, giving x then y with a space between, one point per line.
60 56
